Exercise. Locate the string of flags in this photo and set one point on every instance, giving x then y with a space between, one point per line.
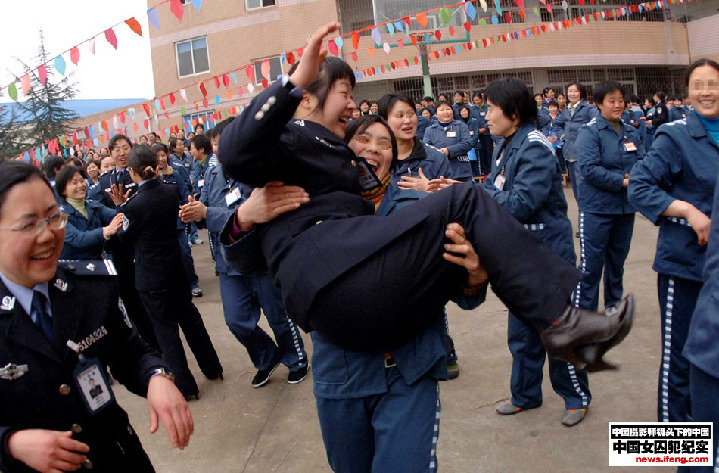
92 135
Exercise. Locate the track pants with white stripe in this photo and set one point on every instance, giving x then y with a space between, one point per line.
704 388
677 300
528 357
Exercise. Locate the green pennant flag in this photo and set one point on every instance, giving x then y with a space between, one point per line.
483 23
12 91
63 141
445 15
536 11
183 110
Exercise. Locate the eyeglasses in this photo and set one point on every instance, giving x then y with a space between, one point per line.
382 143
33 226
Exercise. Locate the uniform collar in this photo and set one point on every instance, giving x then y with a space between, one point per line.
696 127
520 135
23 295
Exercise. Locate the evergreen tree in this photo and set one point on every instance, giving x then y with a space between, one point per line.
48 118
10 133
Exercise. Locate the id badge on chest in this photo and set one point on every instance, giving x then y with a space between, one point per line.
367 178
451 134
499 182
232 196
92 383
630 146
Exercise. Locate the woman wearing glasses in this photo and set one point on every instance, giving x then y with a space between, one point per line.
50 420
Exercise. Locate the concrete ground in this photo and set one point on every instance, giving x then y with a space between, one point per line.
275 428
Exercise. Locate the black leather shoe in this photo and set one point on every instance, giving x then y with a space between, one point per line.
582 337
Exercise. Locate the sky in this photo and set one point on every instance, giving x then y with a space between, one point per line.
122 73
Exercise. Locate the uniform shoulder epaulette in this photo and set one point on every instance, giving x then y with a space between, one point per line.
131 197
101 267
106 172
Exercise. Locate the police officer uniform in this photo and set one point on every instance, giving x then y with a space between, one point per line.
176 175
701 348
161 279
682 166
650 128
243 295
606 218
319 256
526 180
38 375
571 120
456 138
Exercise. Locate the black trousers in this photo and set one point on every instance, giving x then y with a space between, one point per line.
169 310
397 291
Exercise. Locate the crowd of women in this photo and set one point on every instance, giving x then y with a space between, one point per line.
323 206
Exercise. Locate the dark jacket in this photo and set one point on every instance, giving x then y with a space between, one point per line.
116 176
682 164
433 162
572 123
604 159
532 191
83 236
456 138
176 176
151 226
46 397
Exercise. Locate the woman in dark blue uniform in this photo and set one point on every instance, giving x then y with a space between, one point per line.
160 276
527 181
52 417
321 256
674 188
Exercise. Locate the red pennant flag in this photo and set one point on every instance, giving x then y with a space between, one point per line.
167 115
451 30
102 139
146 122
353 55
42 72
300 52
135 127
75 55
225 80
265 68
414 41
196 107
290 57
407 21
355 40
162 104
172 99
134 25
204 102
121 116
468 26
332 47
203 90
406 63
508 17
382 68
146 108
265 83
250 71
520 4
522 15
217 82
74 137
111 38
104 126
438 35
177 9
544 28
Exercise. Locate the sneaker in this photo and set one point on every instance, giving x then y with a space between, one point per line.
452 371
296 377
196 292
263 376
572 417
197 241
506 408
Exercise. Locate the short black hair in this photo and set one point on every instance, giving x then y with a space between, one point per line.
603 88
650 99
552 103
143 160
332 69
116 138
582 89
64 176
201 142
442 102
199 125
700 63
428 99
388 101
52 165
173 143
661 96
159 147
13 173
515 100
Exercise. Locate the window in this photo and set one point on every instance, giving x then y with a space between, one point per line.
275 69
193 119
253 4
192 57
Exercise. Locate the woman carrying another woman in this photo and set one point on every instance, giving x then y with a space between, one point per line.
324 253
674 188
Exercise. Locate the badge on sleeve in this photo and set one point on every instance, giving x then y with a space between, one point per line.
91 380
233 196
630 146
125 223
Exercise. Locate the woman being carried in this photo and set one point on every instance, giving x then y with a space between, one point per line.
323 254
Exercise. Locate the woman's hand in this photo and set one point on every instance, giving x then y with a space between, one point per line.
116 194
420 183
461 252
193 210
444 150
47 451
435 185
312 56
164 401
700 223
268 202
113 227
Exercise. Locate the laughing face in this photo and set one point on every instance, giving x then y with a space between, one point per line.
338 108
403 121
704 91
375 145
28 259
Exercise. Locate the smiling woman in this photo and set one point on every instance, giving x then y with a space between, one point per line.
40 322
